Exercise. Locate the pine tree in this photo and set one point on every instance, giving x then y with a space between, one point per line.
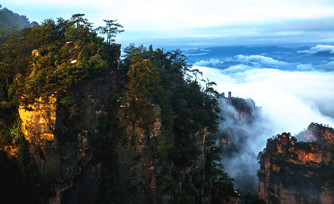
111 29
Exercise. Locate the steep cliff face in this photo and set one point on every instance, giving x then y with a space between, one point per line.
59 134
143 175
298 172
135 172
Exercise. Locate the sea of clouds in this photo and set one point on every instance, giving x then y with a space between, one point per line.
291 96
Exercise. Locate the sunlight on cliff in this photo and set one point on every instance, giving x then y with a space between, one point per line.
38 120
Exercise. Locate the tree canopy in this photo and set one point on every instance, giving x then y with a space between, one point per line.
48 59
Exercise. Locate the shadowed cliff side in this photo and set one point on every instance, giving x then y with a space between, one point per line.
59 138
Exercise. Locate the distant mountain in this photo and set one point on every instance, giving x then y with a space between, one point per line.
8 19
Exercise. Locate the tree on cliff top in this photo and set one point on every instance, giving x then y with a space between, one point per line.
111 29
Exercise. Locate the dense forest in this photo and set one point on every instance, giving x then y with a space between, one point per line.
152 116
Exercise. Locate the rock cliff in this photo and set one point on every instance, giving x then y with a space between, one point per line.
298 172
59 137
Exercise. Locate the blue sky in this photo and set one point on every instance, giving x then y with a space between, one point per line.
199 23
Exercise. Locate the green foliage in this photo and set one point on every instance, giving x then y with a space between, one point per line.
168 184
144 81
250 198
189 194
16 132
187 108
143 87
182 152
196 109
50 58
67 100
8 120
219 184
10 132
110 133
213 167
104 150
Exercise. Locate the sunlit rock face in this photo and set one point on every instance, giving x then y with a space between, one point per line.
38 120
320 133
298 172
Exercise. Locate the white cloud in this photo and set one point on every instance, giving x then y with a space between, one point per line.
207 62
246 62
236 68
319 48
199 54
292 100
259 59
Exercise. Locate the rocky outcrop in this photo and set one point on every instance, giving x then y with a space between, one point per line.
59 134
298 172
